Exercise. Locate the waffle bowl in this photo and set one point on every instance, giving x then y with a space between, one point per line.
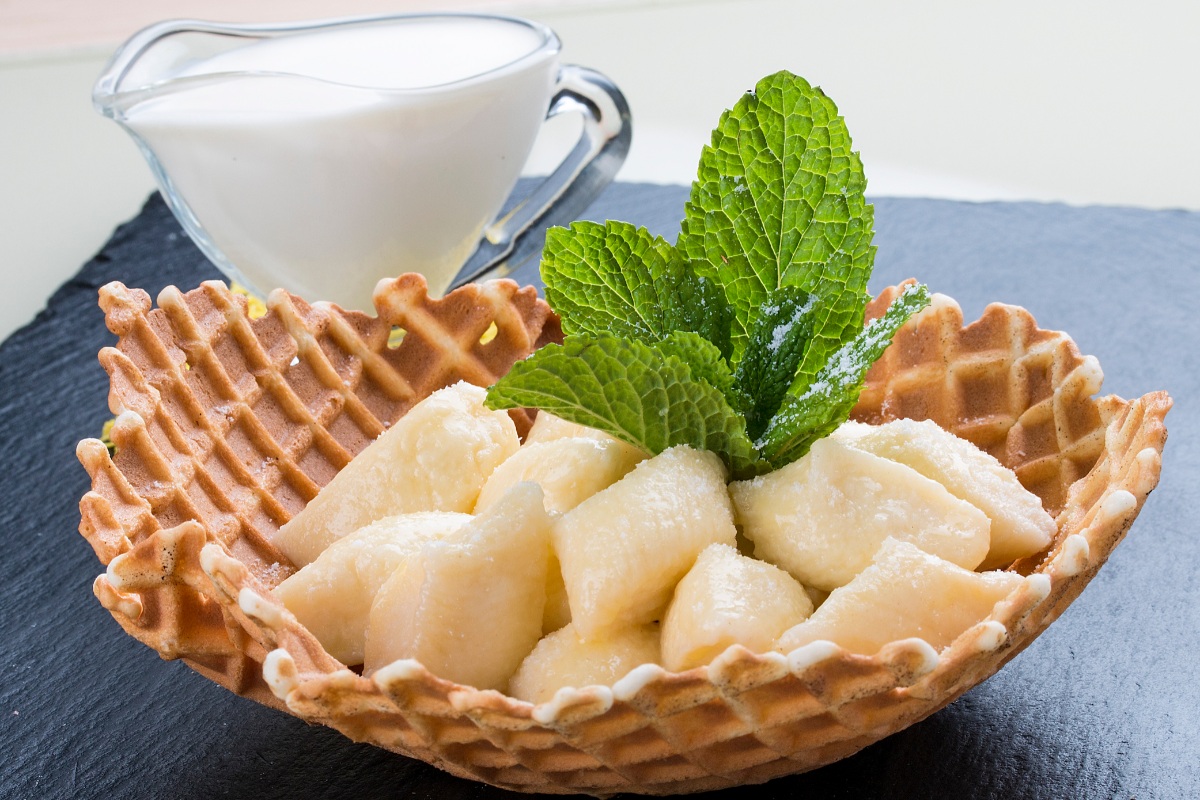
226 426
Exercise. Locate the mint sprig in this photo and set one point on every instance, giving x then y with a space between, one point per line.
746 338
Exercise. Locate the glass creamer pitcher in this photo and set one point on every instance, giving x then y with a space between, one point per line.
325 156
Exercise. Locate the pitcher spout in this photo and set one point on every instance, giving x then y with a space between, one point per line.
146 63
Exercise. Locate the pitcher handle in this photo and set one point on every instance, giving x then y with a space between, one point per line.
508 243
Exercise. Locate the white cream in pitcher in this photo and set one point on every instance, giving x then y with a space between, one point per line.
315 156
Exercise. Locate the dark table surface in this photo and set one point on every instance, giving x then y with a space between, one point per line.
1105 704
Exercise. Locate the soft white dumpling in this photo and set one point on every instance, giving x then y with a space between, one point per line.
823 517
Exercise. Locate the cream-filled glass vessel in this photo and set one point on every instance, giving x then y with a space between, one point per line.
323 157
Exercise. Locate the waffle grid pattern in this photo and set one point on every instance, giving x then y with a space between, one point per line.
237 423
1021 393
189 573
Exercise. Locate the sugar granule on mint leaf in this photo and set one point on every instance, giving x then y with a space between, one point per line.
774 348
831 396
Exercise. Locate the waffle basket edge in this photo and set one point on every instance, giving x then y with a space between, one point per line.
189 573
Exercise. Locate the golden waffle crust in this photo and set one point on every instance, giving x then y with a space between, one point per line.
226 426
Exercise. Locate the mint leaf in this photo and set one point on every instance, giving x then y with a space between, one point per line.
778 201
698 305
631 390
829 399
705 362
615 278
774 348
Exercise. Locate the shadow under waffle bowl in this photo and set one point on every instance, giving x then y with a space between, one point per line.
226 427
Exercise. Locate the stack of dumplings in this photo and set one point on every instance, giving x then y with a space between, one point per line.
573 558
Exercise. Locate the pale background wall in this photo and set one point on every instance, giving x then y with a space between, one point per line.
1059 101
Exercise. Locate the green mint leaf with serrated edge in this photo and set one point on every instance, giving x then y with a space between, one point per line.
705 362
831 396
619 279
631 390
773 352
778 201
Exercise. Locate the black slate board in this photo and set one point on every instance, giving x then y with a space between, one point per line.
1105 704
